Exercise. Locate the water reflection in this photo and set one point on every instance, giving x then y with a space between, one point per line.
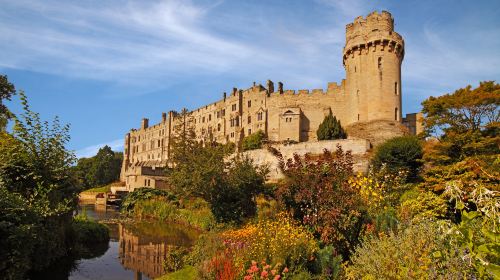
144 246
135 251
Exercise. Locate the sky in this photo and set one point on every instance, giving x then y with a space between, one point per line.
102 66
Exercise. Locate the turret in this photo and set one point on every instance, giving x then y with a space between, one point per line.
372 58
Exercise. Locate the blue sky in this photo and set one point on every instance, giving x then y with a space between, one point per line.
103 65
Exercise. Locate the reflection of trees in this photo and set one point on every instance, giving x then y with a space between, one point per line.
144 246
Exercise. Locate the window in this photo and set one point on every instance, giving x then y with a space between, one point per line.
358 117
218 127
203 120
355 69
249 119
379 63
218 114
231 122
249 103
259 116
209 117
223 112
233 107
396 114
396 88
249 131
237 121
159 142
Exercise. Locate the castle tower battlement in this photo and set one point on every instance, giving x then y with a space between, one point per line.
372 59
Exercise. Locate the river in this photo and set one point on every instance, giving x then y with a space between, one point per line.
135 251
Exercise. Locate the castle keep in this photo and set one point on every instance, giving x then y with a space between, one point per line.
371 91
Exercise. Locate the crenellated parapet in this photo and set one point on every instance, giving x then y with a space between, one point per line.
375 32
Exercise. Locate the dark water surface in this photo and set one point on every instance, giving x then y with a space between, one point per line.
135 251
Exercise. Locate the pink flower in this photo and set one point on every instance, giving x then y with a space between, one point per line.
267 267
248 277
285 270
273 272
277 277
263 274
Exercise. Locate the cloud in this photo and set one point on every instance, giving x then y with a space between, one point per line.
90 151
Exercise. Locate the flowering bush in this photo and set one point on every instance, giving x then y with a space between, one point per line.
281 240
265 271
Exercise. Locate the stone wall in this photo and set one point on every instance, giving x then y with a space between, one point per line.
358 147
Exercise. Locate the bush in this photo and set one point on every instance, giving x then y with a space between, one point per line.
137 195
253 141
400 153
421 251
330 129
318 192
89 232
416 204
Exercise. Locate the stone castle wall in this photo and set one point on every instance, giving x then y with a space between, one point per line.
372 60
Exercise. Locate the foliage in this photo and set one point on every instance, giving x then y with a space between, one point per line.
7 89
253 141
400 153
330 129
421 251
478 232
319 194
37 190
174 259
464 110
421 204
327 264
99 170
281 240
129 202
199 170
89 232
233 199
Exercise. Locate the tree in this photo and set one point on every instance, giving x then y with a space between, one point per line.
253 141
38 193
6 91
101 169
400 153
330 129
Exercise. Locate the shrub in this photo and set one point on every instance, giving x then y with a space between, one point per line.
174 258
330 129
319 194
137 195
400 153
89 232
421 251
416 204
253 141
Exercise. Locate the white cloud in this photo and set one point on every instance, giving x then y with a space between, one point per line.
90 151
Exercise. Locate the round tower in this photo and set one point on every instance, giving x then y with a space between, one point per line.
372 59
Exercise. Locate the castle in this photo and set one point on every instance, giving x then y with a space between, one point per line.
371 91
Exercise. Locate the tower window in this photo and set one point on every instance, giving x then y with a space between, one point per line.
396 88
358 117
249 103
396 115
379 63
355 69
249 119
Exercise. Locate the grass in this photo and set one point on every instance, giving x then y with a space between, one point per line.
187 273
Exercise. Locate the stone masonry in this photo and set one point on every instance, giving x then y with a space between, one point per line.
371 91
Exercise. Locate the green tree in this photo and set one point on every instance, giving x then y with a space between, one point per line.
330 129
400 153
101 169
253 141
38 193
7 89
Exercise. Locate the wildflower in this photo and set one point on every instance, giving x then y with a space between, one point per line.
264 274
277 277
285 270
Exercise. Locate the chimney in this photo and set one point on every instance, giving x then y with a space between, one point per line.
234 91
163 117
270 86
224 95
280 87
145 123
